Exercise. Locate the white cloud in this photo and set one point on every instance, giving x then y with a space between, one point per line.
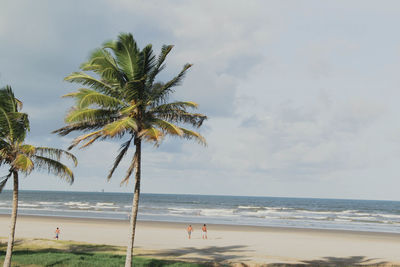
302 96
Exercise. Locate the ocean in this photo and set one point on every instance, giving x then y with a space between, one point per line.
361 215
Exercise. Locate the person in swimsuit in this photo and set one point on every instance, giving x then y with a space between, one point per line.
204 232
57 233
189 231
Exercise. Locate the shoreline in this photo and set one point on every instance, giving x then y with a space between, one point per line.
253 228
226 244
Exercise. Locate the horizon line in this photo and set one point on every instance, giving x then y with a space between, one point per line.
197 194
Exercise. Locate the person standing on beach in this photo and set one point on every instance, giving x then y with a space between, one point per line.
204 232
190 230
57 233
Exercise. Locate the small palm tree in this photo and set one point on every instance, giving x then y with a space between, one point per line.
126 101
21 157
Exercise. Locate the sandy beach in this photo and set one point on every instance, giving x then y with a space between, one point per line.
226 243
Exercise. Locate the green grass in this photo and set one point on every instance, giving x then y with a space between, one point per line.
49 257
41 252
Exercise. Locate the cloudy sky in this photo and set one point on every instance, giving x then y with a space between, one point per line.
302 96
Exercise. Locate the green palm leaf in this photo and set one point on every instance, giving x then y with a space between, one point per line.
23 164
89 115
168 127
160 64
3 181
87 97
120 127
160 95
55 154
126 53
54 167
122 151
188 134
87 80
152 135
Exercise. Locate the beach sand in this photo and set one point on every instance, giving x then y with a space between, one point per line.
226 243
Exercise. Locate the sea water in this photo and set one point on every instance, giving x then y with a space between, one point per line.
362 215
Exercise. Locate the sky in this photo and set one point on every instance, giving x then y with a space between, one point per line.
302 96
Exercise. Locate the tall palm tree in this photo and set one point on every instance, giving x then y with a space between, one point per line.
21 157
123 99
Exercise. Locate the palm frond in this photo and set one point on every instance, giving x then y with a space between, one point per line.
146 62
151 135
91 141
28 149
89 115
3 181
95 134
129 171
188 134
168 127
8 102
6 128
160 64
56 154
84 126
121 126
4 145
54 167
159 95
174 113
133 90
87 80
122 152
103 63
23 164
131 109
126 52
19 126
87 97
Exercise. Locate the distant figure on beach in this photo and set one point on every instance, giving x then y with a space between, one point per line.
190 230
57 233
204 232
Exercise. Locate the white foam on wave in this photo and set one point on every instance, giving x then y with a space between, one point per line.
105 204
183 211
27 205
389 216
48 203
76 203
103 207
217 212
250 207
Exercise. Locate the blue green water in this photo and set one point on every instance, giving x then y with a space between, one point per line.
363 215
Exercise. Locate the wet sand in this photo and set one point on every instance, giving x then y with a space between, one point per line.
225 244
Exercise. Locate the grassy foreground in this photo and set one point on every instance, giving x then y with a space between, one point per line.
44 252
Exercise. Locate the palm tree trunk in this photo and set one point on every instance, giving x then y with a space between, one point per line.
10 245
135 204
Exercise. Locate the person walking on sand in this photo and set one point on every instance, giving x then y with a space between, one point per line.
57 233
204 232
189 231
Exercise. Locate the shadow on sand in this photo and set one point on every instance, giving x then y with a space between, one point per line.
89 248
3 244
208 254
338 261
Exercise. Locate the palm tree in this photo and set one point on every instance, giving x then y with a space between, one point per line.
21 157
125 100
